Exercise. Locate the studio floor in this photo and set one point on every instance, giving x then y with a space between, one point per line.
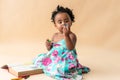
104 64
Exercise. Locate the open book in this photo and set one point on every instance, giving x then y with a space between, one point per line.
20 70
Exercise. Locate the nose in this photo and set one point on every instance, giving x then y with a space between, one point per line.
63 23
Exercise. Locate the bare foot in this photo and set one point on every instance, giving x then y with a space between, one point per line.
4 67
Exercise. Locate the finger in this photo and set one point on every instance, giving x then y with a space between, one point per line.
64 29
48 40
67 27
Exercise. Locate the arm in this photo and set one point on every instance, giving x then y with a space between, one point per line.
70 41
70 38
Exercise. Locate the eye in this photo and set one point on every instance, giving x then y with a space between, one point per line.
59 22
66 20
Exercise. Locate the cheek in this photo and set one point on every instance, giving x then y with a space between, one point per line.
60 27
70 24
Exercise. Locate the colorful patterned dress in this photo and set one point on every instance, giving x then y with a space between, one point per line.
61 63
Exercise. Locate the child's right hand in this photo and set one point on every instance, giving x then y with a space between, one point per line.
48 44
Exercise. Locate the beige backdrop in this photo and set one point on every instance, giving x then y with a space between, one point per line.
97 21
25 24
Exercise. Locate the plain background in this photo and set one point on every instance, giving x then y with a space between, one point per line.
26 24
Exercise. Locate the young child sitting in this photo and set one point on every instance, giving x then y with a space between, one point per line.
61 60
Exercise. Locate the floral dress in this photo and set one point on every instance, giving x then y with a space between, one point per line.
61 63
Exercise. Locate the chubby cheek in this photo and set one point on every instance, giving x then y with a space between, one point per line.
60 29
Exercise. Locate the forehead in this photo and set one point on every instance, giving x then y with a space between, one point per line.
61 16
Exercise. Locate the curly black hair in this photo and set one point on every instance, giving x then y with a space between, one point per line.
60 9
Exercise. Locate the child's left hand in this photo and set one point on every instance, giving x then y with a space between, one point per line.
48 44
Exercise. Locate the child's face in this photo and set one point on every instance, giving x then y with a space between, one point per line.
61 19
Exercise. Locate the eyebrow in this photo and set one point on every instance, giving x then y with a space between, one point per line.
64 19
59 20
